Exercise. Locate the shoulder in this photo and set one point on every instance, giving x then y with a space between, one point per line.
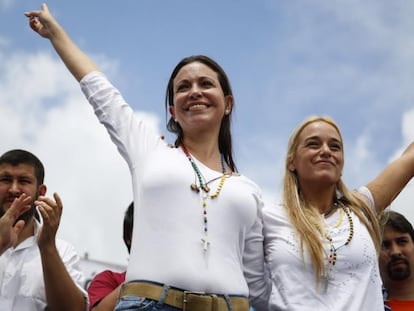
274 210
366 195
108 274
247 183
67 252
274 214
107 278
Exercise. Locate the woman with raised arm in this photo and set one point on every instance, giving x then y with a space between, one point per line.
198 242
322 243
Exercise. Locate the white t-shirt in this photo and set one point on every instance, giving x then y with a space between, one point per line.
354 281
168 221
21 275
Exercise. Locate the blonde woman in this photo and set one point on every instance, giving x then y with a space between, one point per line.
322 243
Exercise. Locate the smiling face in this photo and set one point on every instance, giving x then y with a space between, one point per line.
16 180
396 256
318 158
199 102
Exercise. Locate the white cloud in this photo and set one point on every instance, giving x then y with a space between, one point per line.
404 202
43 110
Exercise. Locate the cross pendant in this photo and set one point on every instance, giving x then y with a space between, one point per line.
206 243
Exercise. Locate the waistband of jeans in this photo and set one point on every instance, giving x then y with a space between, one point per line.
184 300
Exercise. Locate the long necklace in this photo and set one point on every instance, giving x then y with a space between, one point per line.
203 186
332 257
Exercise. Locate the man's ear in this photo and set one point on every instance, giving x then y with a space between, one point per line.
42 189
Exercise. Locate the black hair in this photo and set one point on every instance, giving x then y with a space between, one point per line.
225 141
398 222
128 225
19 156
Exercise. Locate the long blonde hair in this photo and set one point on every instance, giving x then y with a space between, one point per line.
306 218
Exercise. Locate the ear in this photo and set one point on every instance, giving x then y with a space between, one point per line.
229 105
291 167
42 189
172 111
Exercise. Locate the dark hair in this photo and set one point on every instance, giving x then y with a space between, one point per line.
18 156
225 141
128 225
398 222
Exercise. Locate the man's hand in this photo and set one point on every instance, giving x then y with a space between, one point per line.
51 211
9 228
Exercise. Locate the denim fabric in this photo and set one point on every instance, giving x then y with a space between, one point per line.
134 303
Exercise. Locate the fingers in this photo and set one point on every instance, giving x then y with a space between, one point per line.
50 209
34 17
18 226
19 206
58 201
44 9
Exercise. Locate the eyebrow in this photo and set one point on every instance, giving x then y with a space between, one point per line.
316 137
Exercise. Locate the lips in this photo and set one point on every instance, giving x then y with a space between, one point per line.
323 162
10 199
398 263
196 106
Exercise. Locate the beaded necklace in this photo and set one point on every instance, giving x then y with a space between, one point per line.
333 207
333 250
203 186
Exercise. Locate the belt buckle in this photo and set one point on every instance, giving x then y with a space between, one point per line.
187 292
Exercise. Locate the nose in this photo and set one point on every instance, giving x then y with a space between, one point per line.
325 150
394 250
195 91
14 188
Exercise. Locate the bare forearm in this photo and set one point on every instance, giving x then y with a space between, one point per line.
47 26
78 63
61 291
108 303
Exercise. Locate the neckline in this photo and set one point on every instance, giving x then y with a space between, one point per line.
201 165
329 213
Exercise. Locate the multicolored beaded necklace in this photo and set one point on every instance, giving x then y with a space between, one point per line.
333 250
203 186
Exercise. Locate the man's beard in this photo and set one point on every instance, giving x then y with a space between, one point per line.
28 215
401 273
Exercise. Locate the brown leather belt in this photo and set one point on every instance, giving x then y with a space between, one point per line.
185 300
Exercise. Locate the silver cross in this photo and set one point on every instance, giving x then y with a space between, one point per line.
206 243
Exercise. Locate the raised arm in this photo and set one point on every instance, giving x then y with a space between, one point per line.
78 63
389 183
61 291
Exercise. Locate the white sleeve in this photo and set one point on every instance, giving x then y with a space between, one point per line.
254 266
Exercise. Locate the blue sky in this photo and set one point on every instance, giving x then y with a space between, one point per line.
351 60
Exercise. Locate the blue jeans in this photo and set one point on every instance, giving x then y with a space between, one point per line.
134 303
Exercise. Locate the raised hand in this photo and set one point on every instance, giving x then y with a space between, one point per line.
51 211
9 228
42 21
